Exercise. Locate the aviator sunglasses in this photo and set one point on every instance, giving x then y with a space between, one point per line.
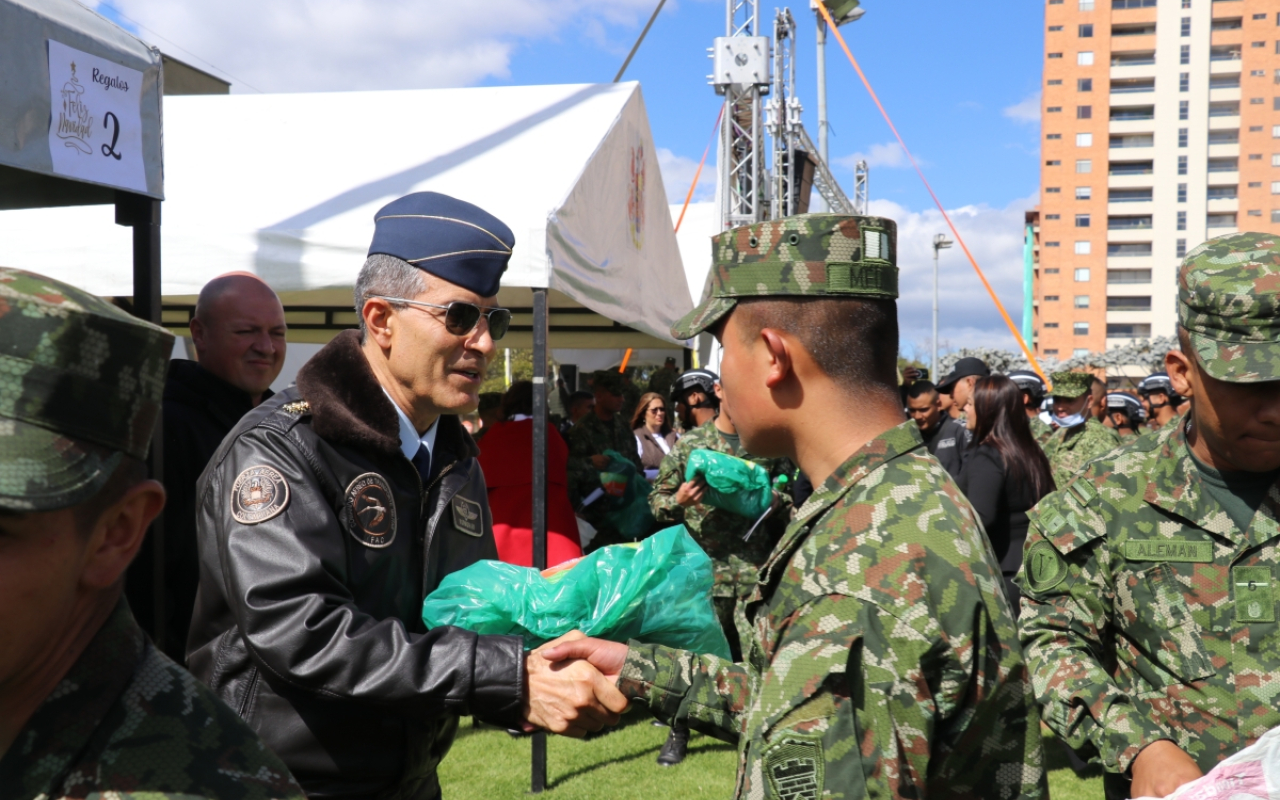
461 319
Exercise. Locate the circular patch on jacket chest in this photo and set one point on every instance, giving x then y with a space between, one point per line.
370 510
258 494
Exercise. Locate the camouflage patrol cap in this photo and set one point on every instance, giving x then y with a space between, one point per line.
1229 304
80 388
1070 385
810 255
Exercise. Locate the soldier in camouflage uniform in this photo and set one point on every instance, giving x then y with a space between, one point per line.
88 706
1149 585
661 380
1079 437
883 660
1159 400
720 533
605 428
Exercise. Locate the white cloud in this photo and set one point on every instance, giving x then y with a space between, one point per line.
888 155
677 175
966 317
334 45
1027 111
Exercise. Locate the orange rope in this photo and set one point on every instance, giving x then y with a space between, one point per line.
697 174
625 359
822 8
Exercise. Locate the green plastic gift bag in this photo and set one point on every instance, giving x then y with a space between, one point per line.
733 484
657 591
626 499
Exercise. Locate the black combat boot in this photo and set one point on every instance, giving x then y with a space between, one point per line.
673 752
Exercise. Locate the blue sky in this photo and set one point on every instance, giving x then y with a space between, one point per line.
946 72
961 81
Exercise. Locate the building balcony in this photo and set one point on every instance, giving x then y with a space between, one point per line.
1224 123
1222 67
1222 205
1128 181
1131 97
1224 95
1125 71
1118 126
1121 236
1128 316
1131 207
1131 262
1224 150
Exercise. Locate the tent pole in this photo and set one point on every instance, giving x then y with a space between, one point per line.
538 776
143 215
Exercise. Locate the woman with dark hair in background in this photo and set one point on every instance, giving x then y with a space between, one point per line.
652 426
1005 473
506 456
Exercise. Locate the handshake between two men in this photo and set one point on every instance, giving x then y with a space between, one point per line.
571 685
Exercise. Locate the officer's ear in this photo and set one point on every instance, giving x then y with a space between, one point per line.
117 533
1181 373
378 314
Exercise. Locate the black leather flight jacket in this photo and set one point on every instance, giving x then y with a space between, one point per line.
318 543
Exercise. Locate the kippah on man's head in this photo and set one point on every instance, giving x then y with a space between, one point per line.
80 388
447 237
809 255
1229 305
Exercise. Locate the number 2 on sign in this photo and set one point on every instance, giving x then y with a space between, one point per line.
110 149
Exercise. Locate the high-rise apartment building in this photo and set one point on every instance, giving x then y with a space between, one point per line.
1161 128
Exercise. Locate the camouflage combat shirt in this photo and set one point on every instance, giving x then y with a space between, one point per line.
883 661
1069 449
1041 431
126 722
1147 614
591 437
661 381
720 532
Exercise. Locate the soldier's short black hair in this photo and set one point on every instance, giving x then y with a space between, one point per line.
855 342
129 474
921 388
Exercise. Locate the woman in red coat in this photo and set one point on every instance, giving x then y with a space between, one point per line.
506 456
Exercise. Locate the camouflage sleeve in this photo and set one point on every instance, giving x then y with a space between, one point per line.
1066 604
582 474
662 500
709 693
875 694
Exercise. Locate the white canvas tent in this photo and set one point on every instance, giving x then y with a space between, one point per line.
286 186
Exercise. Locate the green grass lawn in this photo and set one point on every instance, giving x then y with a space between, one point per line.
486 764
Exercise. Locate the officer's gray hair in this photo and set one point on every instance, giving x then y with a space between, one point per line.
388 276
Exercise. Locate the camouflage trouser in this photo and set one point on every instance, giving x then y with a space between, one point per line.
734 581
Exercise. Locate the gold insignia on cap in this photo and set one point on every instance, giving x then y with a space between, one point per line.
258 494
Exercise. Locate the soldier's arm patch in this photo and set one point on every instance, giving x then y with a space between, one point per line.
1044 566
794 767
258 494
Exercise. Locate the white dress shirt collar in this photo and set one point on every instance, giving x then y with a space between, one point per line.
410 441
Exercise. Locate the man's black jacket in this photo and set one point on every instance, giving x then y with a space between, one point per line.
318 544
949 442
200 409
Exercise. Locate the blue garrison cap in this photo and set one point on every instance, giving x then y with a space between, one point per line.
447 237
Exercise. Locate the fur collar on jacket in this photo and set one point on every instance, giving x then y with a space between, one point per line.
348 406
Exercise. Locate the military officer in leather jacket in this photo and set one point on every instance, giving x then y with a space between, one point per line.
335 507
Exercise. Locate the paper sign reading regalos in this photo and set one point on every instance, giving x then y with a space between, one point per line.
95 124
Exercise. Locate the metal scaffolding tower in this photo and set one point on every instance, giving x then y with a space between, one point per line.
741 75
861 172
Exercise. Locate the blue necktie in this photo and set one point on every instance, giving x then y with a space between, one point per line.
422 460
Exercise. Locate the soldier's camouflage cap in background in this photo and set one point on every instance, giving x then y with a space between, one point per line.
810 255
81 383
1070 385
1229 303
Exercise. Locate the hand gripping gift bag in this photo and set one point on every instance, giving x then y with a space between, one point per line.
733 484
657 591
